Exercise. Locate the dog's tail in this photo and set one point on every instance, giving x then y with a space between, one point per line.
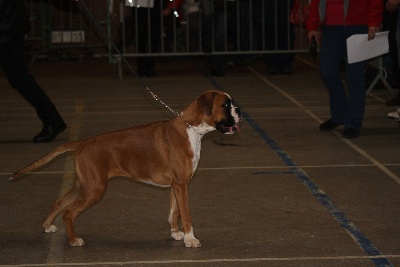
40 162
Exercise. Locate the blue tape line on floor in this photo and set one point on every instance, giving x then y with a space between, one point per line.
365 244
260 173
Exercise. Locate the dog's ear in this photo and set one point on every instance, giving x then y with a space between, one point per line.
206 101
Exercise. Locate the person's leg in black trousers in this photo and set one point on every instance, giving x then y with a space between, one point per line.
148 21
16 71
279 34
393 54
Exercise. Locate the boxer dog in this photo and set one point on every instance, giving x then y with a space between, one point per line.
164 153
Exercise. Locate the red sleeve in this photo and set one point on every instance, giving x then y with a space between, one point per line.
375 13
313 18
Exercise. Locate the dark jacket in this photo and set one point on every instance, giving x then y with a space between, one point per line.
14 21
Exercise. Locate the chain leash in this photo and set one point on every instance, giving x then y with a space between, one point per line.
155 97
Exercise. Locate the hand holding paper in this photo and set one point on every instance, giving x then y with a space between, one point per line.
359 48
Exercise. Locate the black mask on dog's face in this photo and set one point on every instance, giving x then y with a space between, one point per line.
230 124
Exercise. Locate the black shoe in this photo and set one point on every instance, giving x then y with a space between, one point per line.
217 73
151 73
350 133
272 70
328 125
287 71
394 102
49 132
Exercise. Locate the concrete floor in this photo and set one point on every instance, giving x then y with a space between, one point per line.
279 193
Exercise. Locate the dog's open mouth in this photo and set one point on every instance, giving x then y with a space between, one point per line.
228 129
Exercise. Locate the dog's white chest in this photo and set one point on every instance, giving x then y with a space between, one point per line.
195 143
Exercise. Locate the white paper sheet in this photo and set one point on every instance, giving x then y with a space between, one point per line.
359 48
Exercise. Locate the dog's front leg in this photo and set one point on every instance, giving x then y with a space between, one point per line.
181 195
173 218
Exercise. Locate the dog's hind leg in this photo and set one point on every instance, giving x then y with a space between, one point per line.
88 196
173 218
59 206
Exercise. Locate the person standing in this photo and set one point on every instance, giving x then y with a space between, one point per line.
14 24
341 19
275 32
215 18
393 15
147 28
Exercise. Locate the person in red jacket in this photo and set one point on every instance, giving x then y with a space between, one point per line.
340 19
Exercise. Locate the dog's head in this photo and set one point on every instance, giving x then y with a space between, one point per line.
219 111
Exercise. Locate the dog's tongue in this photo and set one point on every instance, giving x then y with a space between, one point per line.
234 129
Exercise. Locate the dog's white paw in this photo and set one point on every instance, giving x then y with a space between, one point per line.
177 235
192 243
78 242
50 229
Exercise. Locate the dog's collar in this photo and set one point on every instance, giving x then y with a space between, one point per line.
189 125
173 111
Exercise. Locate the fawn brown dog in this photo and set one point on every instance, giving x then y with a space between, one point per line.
164 153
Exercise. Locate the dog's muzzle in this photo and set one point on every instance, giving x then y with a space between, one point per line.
230 126
228 130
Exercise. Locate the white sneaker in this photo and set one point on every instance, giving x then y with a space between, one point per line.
394 114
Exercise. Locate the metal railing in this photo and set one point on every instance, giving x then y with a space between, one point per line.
62 28
381 75
196 27
140 28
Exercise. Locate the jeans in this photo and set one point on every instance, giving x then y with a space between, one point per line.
345 107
